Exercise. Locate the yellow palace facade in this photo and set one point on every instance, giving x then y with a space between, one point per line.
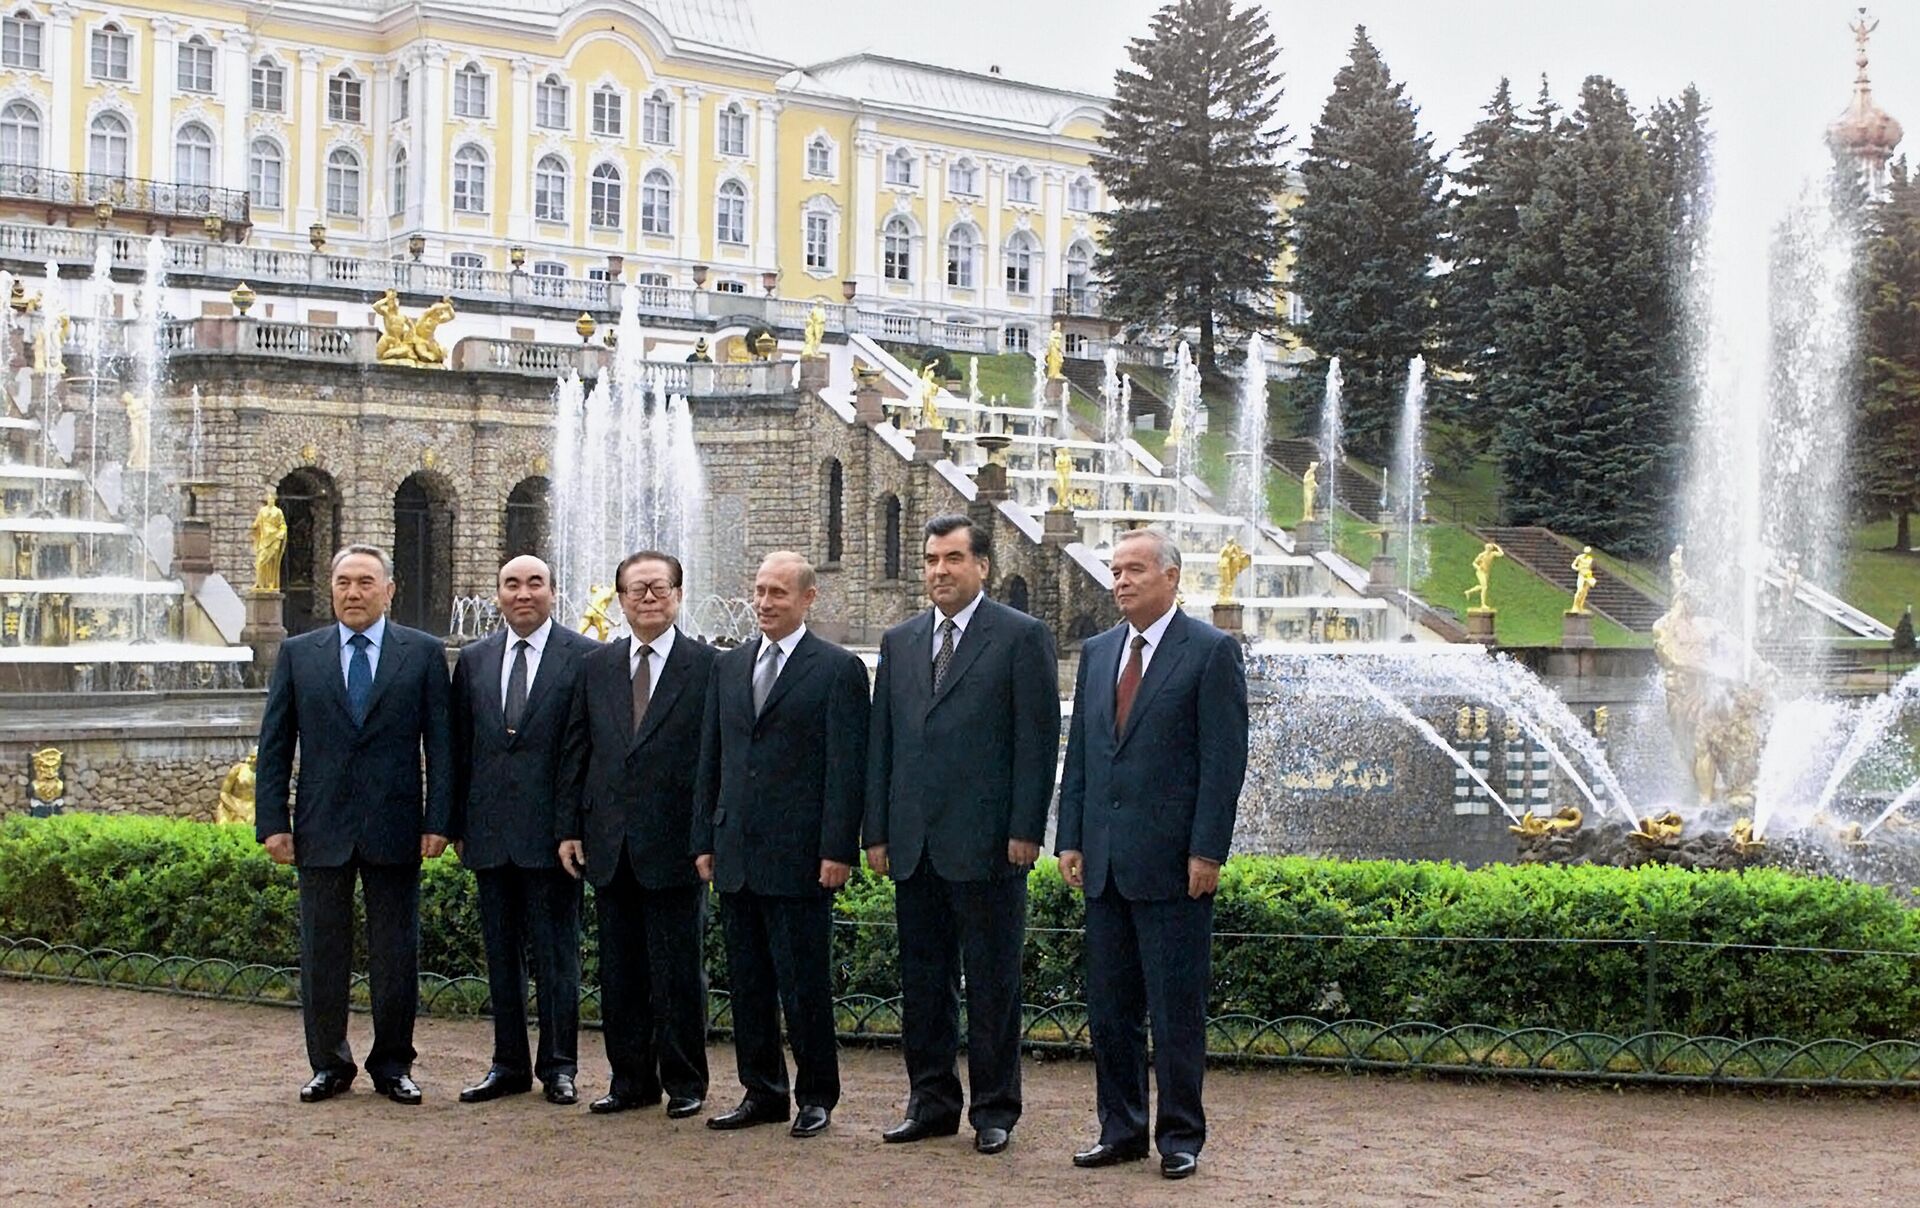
656 142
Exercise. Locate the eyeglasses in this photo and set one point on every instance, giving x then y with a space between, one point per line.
640 591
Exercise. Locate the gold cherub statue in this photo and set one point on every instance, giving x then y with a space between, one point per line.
1056 353
269 535
1583 568
405 341
236 792
815 331
1062 478
1233 559
1482 572
1309 487
139 410
596 621
929 396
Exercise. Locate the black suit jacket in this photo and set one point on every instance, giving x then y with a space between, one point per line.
954 774
779 793
617 786
503 785
1137 805
359 792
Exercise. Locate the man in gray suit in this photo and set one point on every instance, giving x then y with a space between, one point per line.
965 729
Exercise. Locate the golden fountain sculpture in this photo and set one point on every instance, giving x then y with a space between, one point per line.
1657 830
139 408
816 330
596 621
49 785
1309 486
1056 353
269 536
1717 719
405 341
929 395
1062 479
1744 840
1482 572
1565 820
1233 559
236 792
1582 568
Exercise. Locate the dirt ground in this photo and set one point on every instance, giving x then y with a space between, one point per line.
118 1097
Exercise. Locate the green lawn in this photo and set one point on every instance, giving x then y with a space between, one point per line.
1878 579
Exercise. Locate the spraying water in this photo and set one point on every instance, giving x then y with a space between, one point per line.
1250 437
1331 436
1410 471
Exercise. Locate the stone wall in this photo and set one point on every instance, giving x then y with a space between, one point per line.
170 776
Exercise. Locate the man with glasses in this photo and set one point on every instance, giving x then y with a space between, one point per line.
623 816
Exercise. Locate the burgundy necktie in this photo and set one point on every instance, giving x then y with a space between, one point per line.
1129 684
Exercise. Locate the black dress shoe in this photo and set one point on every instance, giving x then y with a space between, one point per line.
749 1114
616 1101
992 1140
910 1130
811 1122
560 1090
679 1107
325 1085
497 1084
1104 1154
400 1088
1178 1165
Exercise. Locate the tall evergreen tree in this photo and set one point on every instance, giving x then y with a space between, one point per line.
1587 429
1367 238
1887 438
1680 146
1191 155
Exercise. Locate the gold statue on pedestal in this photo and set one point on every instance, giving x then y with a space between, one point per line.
405 341
139 410
269 536
426 349
1309 487
816 330
236 792
50 346
929 396
1062 479
1233 559
1585 579
1482 572
1718 719
596 621
1056 353
48 784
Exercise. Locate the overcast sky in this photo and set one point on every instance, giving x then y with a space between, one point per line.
1784 67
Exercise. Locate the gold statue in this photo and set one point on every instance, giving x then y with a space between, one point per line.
816 330
1233 560
596 621
1583 568
1657 830
1718 719
1565 820
1056 353
1309 487
139 430
1482 572
396 330
426 349
49 785
50 346
929 396
1744 840
1529 825
269 534
1176 425
236 792
1062 479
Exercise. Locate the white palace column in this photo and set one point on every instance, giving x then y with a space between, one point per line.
993 279
693 154
160 88
60 58
766 251
1051 271
313 156
866 222
428 146
236 93
514 161
933 261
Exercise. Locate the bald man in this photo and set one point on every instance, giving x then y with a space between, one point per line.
512 692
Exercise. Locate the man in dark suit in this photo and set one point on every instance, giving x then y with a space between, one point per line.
624 818
777 829
1156 753
960 755
364 701
511 693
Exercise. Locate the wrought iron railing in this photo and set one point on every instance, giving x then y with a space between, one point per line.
128 194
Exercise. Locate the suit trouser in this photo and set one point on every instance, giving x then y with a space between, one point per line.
537 908
945 926
392 893
1149 958
653 986
780 960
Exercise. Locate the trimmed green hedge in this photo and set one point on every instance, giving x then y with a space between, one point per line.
185 888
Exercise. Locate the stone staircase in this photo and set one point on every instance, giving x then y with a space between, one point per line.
1358 493
1544 553
1087 376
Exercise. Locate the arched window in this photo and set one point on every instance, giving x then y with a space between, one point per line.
890 537
343 183
193 155
1017 594
526 528
344 95
656 203
107 145
896 250
1080 194
1020 186
1022 252
550 189
963 178
963 248
21 37
730 213
268 93
816 237
397 180
900 167
20 135
836 509
193 63
819 156
266 174
1079 266
730 131
656 119
470 92
470 180
550 104
110 53
606 195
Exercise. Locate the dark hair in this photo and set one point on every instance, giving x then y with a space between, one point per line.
979 540
648 555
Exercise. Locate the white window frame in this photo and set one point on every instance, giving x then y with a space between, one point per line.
550 190
101 146
816 240
824 146
20 126
344 168
103 42
606 196
267 80
346 98
551 91
963 178
186 171
193 65
1023 176
545 274
732 119
1020 257
656 118
467 192
730 199
257 171
1081 194
467 102
899 169
968 265
730 287
896 250
402 95
399 178
607 112
23 41
656 202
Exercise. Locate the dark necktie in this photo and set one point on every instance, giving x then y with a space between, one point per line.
764 674
359 677
1129 685
642 686
942 659
517 686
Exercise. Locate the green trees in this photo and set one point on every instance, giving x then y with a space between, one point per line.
1887 440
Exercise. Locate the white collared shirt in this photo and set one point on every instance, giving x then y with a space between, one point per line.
376 636
961 620
659 649
536 646
786 645
1153 634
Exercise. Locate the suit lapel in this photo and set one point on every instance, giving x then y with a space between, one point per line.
796 669
1172 649
975 638
556 651
1102 679
619 668
492 658
673 679
918 658
395 651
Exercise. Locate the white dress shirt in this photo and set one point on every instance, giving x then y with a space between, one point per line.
786 645
536 645
376 634
1153 634
660 648
961 620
